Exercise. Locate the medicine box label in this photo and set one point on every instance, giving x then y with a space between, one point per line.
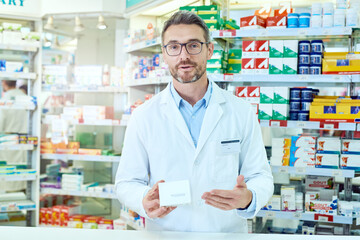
328 145
275 66
262 49
288 198
241 92
265 111
302 161
280 111
281 95
298 152
276 48
248 66
290 65
350 146
291 48
319 182
266 94
303 141
350 161
327 160
249 49
253 92
262 66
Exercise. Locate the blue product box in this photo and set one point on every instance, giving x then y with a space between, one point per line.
144 72
156 60
303 141
2 65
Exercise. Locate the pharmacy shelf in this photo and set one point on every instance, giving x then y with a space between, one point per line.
314 171
149 81
17 107
17 147
310 125
152 45
132 224
17 75
78 193
285 33
305 216
18 177
52 88
281 78
356 78
12 206
99 122
77 157
23 48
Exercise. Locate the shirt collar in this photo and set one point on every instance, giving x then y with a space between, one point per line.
177 98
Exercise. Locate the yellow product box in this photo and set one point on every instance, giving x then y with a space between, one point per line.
74 145
47 151
341 63
340 111
66 151
84 151
234 61
46 145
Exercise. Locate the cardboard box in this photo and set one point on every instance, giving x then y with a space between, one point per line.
291 48
249 49
288 198
248 66
280 111
262 49
319 182
280 152
322 207
252 22
253 92
279 161
327 160
234 68
290 65
350 161
76 221
281 142
275 66
281 95
276 48
276 22
265 111
241 92
214 63
174 193
235 54
350 146
303 141
274 203
302 161
262 66
302 152
266 94
215 70
55 217
328 145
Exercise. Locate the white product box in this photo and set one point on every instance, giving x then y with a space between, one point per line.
281 142
276 48
290 65
262 49
322 207
302 162
119 224
276 65
350 145
274 203
249 49
291 48
265 111
253 100
276 161
328 145
262 66
280 152
280 111
346 209
319 182
301 152
303 141
13 66
327 160
288 198
351 161
281 95
266 94
248 65
174 193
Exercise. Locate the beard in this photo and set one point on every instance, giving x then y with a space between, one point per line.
187 78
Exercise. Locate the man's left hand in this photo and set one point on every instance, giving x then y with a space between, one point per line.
239 197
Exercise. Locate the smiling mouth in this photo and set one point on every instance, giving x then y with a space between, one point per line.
186 67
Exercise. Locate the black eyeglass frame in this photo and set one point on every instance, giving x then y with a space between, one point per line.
184 44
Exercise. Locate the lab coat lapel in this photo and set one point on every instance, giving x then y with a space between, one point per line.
212 116
172 113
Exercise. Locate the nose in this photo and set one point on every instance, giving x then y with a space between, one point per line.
184 54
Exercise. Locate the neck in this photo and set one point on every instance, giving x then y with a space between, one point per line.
8 89
192 92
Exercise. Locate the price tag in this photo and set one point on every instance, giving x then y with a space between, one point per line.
329 126
270 214
358 127
326 31
297 215
323 219
300 170
336 78
227 34
303 32
228 77
301 124
358 221
283 170
275 124
263 32
337 173
303 78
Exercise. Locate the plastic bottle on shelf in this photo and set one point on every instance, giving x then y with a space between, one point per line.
341 4
299 201
304 20
328 15
293 20
316 9
339 18
316 21
352 17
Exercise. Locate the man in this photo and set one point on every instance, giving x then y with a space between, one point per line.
194 131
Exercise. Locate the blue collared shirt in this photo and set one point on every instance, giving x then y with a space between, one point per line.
194 116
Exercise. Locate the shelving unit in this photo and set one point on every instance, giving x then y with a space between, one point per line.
23 48
12 206
17 147
77 157
18 75
18 177
152 45
46 88
310 125
314 171
16 107
78 193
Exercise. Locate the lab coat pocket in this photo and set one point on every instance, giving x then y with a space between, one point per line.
225 165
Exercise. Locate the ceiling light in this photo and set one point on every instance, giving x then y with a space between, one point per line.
101 23
78 25
50 23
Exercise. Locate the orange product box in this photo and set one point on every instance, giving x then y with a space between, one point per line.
76 221
283 11
264 12
67 211
47 151
109 112
55 216
252 22
61 145
74 145
276 22
46 145
91 222
84 151
42 218
241 92
66 151
48 216
248 50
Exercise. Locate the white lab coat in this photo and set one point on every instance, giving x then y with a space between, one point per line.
158 146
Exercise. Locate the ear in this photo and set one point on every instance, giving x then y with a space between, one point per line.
210 50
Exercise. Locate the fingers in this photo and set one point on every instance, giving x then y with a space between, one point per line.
152 204
240 182
222 193
154 191
161 211
169 210
220 205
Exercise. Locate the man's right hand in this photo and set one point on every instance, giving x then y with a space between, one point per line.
151 203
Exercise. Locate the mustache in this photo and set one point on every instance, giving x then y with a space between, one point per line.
188 62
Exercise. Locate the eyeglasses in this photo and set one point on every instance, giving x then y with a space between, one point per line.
192 48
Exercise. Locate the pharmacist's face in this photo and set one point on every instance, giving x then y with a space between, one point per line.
185 67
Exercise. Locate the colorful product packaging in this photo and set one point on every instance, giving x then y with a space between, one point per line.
303 141
328 145
288 198
327 160
350 161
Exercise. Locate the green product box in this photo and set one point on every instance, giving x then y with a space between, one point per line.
281 95
280 111
214 63
276 48
231 24
214 70
210 17
265 111
291 48
275 65
234 61
233 68
212 26
189 8
266 95
107 152
218 54
290 66
208 8
87 140
3 163
235 54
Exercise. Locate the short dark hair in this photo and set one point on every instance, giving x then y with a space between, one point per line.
186 17
10 83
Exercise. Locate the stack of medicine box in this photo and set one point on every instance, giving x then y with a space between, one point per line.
255 57
290 61
350 154
328 152
210 14
274 103
251 95
234 61
217 63
280 151
72 182
302 151
283 56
